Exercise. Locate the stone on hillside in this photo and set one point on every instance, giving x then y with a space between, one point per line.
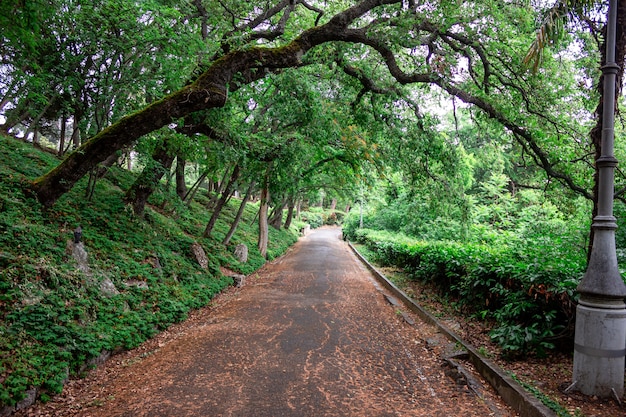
241 252
136 283
79 253
239 280
200 255
107 288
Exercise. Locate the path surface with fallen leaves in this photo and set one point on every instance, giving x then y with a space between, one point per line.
311 334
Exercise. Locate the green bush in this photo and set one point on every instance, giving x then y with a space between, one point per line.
315 220
530 302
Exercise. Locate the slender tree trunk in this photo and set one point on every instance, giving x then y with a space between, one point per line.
219 190
17 115
242 206
62 135
276 219
263 208
290 210
333 204
149 178
76 134
209 90
191 193
34 126
222 201
181 186
98 172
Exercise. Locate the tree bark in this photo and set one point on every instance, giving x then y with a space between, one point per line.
62 135
276 219
194 188
263 208
290 210
222 201
242 206
181 186
76 136
208 91
217 189
148 180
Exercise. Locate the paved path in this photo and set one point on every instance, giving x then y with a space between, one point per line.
309 335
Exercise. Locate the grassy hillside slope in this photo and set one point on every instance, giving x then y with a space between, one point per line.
55 318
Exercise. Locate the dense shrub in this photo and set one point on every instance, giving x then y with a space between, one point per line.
315 220
531 302
316 217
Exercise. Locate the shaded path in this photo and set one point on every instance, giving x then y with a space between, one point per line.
310 335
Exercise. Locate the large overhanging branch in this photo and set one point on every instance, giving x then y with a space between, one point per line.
210 90
207 91
522 135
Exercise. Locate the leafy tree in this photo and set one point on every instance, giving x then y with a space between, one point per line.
442 54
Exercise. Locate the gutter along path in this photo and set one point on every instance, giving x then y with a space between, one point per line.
311 334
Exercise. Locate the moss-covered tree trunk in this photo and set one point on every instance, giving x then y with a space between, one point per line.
181 186
143 187
209 90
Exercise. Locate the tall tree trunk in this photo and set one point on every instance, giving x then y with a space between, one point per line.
263 208
333 204
596 131
276 219
34 126
17 115
209 90
181 186
191 193
76 136
290 210
222 201
219 190
62 135
148 180
242 206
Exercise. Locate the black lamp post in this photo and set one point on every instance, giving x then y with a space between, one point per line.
600 341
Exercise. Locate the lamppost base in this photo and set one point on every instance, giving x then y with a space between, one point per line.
600 347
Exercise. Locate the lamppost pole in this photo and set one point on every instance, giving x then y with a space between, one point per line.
600 340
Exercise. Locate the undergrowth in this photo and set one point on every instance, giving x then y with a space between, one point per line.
56 319
531 304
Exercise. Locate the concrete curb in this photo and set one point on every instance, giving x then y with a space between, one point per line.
511 392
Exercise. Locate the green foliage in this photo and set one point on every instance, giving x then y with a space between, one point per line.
549 402
530 303
317 216
55 319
